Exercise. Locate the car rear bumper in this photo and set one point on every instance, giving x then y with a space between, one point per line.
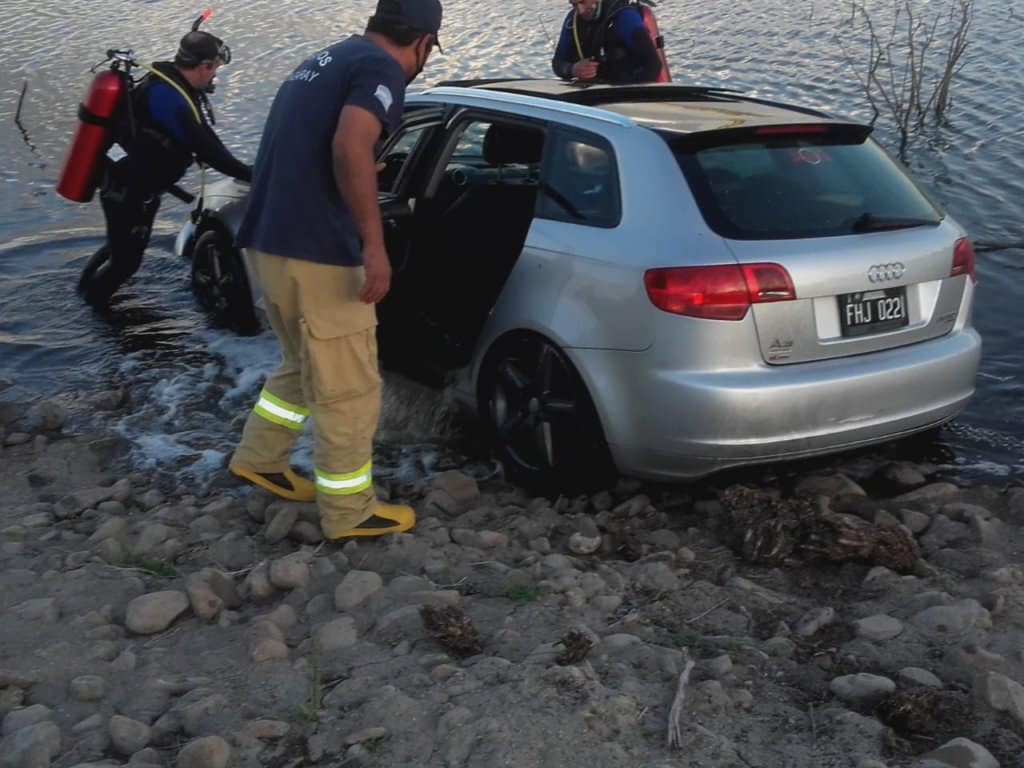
664 423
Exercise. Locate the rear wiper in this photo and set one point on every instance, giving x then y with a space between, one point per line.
869 222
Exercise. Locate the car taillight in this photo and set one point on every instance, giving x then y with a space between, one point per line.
720 292
963 259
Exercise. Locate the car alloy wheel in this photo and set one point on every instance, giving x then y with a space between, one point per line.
220 283
541 418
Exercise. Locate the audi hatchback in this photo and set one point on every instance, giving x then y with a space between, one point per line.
663 279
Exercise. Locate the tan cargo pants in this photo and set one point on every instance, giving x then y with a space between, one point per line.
329 372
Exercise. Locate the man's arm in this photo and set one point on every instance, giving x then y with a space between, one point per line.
562 61
175 115
209 149
355 173
634 35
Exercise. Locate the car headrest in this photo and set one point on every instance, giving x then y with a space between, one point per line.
506 143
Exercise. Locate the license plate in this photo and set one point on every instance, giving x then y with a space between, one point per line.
869 312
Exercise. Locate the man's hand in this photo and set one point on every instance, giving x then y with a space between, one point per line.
378 275
585 69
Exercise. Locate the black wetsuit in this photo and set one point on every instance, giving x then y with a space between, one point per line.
617 39
162 139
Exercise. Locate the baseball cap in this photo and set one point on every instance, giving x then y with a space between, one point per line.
420 15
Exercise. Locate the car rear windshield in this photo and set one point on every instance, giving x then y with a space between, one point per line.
811 181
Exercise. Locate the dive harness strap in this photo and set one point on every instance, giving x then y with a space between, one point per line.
174 189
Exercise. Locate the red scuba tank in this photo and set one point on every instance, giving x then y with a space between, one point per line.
93 137
659 42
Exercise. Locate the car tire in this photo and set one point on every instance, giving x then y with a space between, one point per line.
220 283
540 418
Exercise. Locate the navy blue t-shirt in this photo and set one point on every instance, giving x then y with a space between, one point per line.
294 207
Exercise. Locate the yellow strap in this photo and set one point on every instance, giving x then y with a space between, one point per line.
175 86
195 114
576 35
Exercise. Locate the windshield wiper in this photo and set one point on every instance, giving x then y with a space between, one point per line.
869 222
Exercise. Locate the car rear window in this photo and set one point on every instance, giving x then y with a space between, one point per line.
783 185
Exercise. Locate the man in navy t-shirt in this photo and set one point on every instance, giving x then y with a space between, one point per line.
314 237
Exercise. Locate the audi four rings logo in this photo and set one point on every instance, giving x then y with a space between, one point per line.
879 273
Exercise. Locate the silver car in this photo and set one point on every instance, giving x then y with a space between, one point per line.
665 280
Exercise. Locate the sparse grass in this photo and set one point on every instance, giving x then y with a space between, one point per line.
150 565
315 702
468 587
372 745
521 593
686 638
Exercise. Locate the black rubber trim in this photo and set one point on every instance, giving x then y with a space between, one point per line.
92 118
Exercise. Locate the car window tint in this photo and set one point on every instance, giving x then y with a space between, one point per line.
397 155
802 187
580 183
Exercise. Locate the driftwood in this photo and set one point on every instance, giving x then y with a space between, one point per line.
674 736
765 529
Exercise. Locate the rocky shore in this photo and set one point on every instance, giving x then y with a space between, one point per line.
153 625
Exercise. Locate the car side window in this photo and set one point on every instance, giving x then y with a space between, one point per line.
580 181
396 156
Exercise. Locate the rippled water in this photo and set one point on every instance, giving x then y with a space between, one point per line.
198 382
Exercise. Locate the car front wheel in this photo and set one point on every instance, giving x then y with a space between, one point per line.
541 418
220 283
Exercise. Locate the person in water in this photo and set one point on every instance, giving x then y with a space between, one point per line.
168 126
607 41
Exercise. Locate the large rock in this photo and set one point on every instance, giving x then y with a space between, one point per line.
878 628
88 688
453 493
355 588
208 752
45 609
915 676
291 572
830 485
281 524
1002 694
861 688
206 604
337 634
75 503
155 612
814 620
951 621
959 753
31 747
937 492
128 736
23 718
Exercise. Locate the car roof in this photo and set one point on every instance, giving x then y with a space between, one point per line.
668 107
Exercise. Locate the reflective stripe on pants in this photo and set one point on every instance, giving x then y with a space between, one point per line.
345 483
329 372
280 411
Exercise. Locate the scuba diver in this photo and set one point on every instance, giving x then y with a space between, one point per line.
161 125
612 41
